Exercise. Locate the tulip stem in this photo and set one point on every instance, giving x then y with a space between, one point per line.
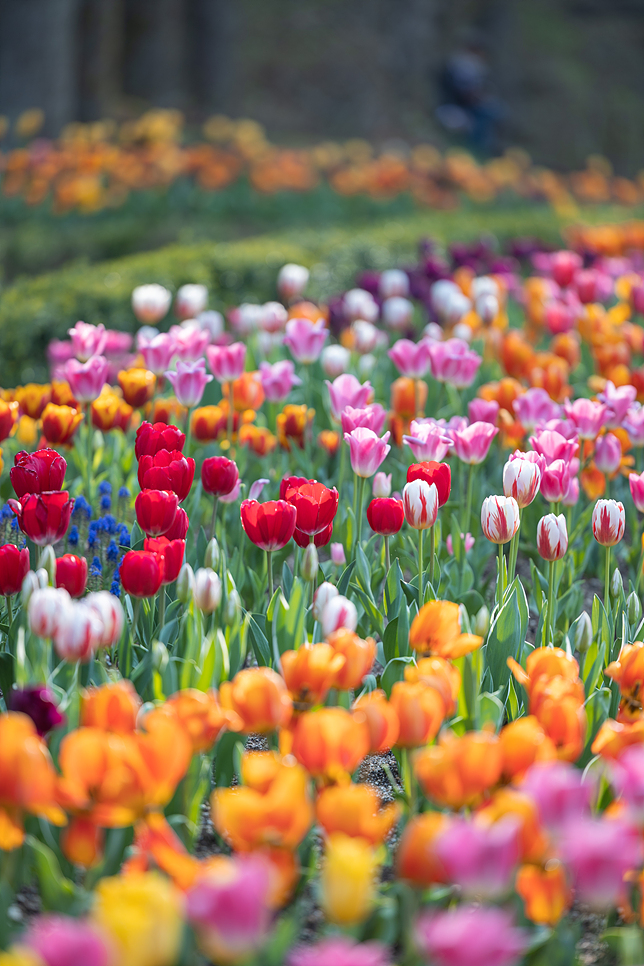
361 482
500 583
421 594
514 551
269 568
9 614
213 519
432 553
161 607
188 437
551 601
607 582
468 504
387 557
89 455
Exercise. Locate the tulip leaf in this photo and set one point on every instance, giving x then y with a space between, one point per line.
287 580
488 710
6 674
343 583
507 634
57 892
363 571
202 543
136 537
389 639
395 671
370 608
402 631
295 616
258 639
393 592
597 709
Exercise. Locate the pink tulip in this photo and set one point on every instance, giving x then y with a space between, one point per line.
499 518
559 317
420 503
609 522
619 400
151 303
397 313
571 496
552 536
157 352
562 426
411 359
338 558
480 858
589 417
87 340
381 485
338 612
598 854
627 774
636 483
305 339
359 304
340 951
637 298
278 379
560 792
593 286
470 936
273 318
521 479
555 481
322 596
633 423
189 382
371 417
190 341
427 441
535 406
367 450
472 443
226 361
563 266
483 411
393 282
345 391
63 940
454 362
234 494
608 453
190 300
468 542
86 379
245 318
553 446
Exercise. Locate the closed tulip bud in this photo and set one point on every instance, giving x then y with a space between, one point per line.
499 518
321 598
48 563
207 590
634 608
185 584
616 583
583 633
420 503
160 656
310 563
43 577
552 536
232 608
212 555
29 585
482 621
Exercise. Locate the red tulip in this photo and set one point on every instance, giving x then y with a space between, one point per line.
315 503
14 565
290 481
269 525
172 552
141 573
219 475
152 437
320 539
438 473
179 528
167 470
155 511
385 515
43 517
37 472
71 574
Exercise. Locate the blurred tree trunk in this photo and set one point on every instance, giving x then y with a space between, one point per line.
214 32
155 51
100 58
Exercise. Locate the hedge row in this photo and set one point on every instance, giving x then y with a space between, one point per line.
35 310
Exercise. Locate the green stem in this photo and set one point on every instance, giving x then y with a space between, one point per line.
135 618
465 520
432 553
361 482
188 442
387 557
161 606
9 613
421 595
514 551
269 568
607 604
551 601
500 590
213 519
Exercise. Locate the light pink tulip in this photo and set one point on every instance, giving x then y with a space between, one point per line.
338 612
420 503
359 304
563 266
589 417
468 542
46 608
608 453
371 417
305 339
340 951
78 633
158 353
64 940
151 303
499 518
335 360
366 337
397 313
226 362
381 485
555 481
553 446
480 858
472 443
483 411
245 318
234 494
560 792
469 935
571 496
278 379
345 391
633 423
598 854
87 340
393 282
338 557
190 341
110 611
274 317
190 300
322 596
609 522
454 362
535 406
627 775
411 359
636 483
368 450
292 279
86 379
427 441
552 536
619 400
521 479
189 382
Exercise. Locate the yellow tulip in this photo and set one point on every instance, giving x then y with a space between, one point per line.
20 956
348 878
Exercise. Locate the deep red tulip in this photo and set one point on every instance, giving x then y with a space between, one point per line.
43 517
172 552
269 525
385 515
315 503
179 528
167 470
14 565
320 539
141 573
155 511
219 475
432 472
38 703
152 437
37 472
289 481
71 574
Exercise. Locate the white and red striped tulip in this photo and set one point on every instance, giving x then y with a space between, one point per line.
609 522
500 518
552 536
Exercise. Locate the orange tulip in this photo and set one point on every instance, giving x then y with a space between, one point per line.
258 439
522 743
137 386
27 779
110 412
512 431
157 844
420 709
330 742
544 662
628 672
356 811
436 629
382 720
508 801
408 398
167 409
112 707
310 673
201 717
329 441
359 656
247 392
558 705
292 425
517 355
59 423
437 673
32 399
259 697
272 807
544 891
505 391
8 418
593 482
457 771
566 345
416 859
614 736
82 842
551 372
61 394
308 310
207 423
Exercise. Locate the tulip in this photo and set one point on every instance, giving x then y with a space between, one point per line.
71 574
472 443
87 340
348 879
608 454
310 672
138 386
45 610
342 952
316 505
172 551
448 938
359 657
371 417
335 360
454 362
393 282
411 359
346 391
151 303
86 380
599 853
381 487
305 338
619 400
59 424
587 416
431 471
338 558
32 400
109 609
158 352
37 472
207 591
152 438
420 710
385 516
609 523
190 300
219 475
420 503
552 537
14 567
190 340
38 703
545 892
167 470
336 613
382 721
416 859
467 540
269 526
189 382
179 528
636 484
480 858
278 379
397 313
427 441
330 742
185 584
260 699
367 451
521 480
8 417
44 517
359 304
60 940
553 446
436 630
78 632
483 411
141 573
555 481
292 279
325 593
155 511
500 519
564 265
534 407
110 412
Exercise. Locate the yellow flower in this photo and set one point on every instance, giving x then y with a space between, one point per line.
27 430
348 878
20 956
141 913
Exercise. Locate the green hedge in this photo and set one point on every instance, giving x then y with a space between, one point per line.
35 310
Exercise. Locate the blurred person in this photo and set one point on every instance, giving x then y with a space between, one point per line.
468 106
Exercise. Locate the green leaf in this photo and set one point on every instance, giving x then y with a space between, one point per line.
343 583
363 571
402 635
597 709
489 709
370 608
6 674
389 639
57 892
287 580
393 592
507 634
258 639
394 671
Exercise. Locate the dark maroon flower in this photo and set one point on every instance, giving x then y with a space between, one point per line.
36 701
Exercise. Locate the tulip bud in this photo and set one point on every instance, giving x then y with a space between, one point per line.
634 608
212 554
616 583
29 585
482 621
583 633
160 656
43 578
310 563
382 485
48 563
321 598
185 584
232 608
338 557
207 590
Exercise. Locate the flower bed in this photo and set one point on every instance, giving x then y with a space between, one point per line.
299 638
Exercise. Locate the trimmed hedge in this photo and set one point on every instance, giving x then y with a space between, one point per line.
35 310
